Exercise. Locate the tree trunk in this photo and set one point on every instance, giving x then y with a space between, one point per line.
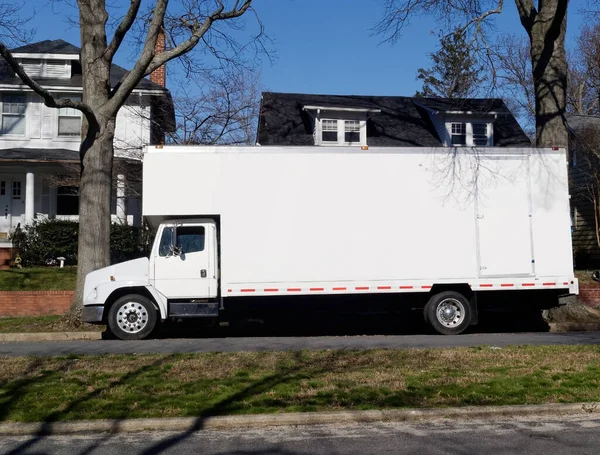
96 152
549 66
94 209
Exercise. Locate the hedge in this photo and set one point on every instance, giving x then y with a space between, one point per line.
42 242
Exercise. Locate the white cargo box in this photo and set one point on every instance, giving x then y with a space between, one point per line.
302 220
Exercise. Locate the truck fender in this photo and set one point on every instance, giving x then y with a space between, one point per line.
105 290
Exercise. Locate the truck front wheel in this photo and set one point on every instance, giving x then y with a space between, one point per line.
449 312
132 317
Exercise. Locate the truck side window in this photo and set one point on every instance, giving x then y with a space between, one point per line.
190 239
165 242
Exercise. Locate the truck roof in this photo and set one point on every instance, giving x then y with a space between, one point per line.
221 149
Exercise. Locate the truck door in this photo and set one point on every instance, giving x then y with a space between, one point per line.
504 218
185 271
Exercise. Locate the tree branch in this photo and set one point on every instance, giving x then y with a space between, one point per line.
49 100
479 19
124 89
198 31
122 29
527 14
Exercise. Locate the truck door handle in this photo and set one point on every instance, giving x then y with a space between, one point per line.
203 273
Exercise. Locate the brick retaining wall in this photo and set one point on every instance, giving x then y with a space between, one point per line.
34 303
590 296
43 303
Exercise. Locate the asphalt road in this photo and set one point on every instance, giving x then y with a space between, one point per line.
567 435
262 343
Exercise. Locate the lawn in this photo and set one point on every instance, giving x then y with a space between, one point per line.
38 279
31 324
135 386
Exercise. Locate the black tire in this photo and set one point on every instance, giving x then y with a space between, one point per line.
132 317
448 312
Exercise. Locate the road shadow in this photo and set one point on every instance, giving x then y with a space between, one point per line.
323 322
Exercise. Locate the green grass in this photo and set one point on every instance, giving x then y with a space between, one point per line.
38 279
135 386
29 324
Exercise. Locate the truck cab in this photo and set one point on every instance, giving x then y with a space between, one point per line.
179 279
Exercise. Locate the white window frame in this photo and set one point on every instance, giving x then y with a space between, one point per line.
71 113
469 135
23 115
341 130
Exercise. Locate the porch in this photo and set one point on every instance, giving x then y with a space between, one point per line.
38 184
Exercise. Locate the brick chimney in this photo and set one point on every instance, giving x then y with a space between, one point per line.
159 75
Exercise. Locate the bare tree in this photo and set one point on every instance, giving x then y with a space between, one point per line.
223 112
545 23
206 24
515 80
584 77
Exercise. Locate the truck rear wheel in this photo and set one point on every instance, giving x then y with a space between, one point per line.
449 312
132 317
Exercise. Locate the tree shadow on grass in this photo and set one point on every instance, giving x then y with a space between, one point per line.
298 368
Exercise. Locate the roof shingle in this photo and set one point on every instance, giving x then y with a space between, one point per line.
396 121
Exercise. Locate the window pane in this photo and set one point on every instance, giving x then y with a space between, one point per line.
13 124
190 239
69 111
352 126
67 204
480 141
459 139
458 128
352 137
480 129
329 136
69 126
16 190
329 125
165 242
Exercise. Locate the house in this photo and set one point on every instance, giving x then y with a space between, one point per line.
39 146
386 121
584 187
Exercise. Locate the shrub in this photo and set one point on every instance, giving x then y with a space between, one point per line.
42 242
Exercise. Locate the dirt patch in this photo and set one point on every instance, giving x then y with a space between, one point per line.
573 311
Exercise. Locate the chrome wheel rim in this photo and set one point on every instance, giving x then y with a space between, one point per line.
132 317
450 312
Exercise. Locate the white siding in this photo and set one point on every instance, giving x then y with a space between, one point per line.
48 115
132 130
35 116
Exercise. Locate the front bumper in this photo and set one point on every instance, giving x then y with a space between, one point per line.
93 314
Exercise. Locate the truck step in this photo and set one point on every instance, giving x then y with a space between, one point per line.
193 309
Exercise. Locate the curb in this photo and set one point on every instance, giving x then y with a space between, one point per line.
67 336
191 424
50 336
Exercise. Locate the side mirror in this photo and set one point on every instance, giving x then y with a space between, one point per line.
175 250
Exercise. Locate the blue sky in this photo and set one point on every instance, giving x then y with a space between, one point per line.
326 46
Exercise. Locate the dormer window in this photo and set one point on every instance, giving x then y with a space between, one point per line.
57 69
470 134
341 126
341 132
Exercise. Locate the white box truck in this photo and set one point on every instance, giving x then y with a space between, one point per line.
446 229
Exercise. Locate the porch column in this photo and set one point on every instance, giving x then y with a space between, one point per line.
121 210
29 196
